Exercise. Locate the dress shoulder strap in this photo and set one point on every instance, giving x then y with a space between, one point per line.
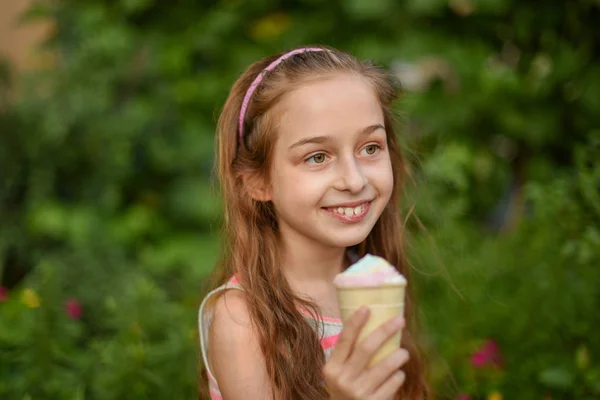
205 316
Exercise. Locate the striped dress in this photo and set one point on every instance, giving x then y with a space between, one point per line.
328 330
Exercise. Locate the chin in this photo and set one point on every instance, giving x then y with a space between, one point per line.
348 243
347 240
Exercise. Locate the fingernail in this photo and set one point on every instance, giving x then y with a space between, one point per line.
399 354
398 322
364 310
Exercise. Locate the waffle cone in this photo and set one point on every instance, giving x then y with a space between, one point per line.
385 302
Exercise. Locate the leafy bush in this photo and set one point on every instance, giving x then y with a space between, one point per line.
109 218
530 295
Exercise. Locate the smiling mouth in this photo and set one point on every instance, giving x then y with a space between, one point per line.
349 211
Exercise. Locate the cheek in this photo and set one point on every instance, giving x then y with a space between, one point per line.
289 187
384 178
299 188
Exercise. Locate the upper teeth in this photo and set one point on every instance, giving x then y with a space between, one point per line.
349 211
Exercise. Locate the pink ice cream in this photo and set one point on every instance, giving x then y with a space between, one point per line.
369 271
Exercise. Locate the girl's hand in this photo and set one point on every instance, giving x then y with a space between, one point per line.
347 374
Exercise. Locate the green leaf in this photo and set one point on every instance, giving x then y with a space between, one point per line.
557 378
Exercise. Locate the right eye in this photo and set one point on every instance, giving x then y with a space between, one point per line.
318 158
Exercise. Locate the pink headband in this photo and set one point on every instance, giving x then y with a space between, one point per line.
258 80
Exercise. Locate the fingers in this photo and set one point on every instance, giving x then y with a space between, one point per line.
352 328
364 351
381 373
390 387
348 374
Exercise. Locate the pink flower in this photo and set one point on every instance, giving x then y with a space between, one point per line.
487 354
463 396
73 308
3 294
479 359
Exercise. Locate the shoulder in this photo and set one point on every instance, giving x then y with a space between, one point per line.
235 353
231 313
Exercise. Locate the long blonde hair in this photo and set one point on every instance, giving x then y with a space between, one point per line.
292 352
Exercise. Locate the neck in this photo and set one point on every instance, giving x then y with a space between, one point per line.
310 267
306 261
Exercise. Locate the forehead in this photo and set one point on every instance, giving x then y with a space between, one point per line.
338 105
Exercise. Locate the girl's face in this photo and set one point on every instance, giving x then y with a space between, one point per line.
331 172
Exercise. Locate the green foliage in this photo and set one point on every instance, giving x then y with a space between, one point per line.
107 196
532 291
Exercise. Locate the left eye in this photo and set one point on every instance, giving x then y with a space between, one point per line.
371 149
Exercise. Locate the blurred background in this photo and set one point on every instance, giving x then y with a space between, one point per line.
109 218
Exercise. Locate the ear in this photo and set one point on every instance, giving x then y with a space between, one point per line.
256 187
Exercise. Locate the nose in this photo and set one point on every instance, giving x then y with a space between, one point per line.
351 176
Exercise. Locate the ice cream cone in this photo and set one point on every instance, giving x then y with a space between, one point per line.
385 301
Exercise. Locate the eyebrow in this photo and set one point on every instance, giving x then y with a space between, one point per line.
323 139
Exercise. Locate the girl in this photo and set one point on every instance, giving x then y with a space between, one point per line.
311 172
